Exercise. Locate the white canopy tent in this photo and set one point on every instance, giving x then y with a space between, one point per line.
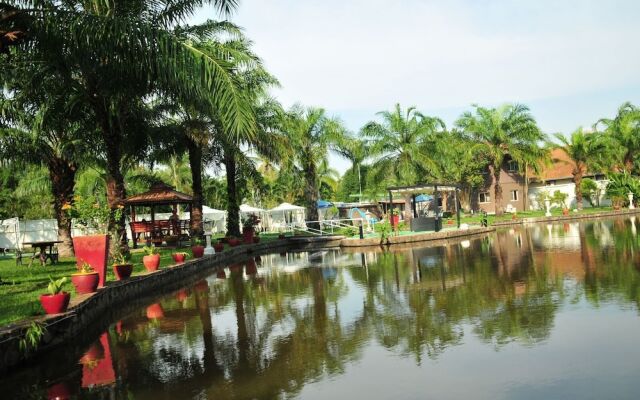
246 210
286 215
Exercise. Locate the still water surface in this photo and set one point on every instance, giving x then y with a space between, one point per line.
545 311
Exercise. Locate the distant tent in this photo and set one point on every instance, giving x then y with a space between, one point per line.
324 204
423 198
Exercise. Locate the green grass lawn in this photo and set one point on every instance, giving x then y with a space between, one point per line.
475 219
23 285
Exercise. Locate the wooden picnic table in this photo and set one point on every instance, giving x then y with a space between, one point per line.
43 254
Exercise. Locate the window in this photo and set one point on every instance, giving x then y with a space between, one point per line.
512 166
551 183
514 195
484 197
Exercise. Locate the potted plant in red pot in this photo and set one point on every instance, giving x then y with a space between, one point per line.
179 256
395 217
85 280
249 228
92 217
55 301
256 239
151 260
122 268
197 249
218 247
233 242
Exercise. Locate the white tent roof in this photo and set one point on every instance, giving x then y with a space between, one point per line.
245 208
287 207
209 210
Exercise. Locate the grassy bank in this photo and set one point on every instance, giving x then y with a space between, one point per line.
23 285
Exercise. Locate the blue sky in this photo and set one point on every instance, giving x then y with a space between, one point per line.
571 61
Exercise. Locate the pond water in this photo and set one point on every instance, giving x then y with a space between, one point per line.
543 311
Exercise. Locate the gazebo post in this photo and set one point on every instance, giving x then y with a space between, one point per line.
391 210
415 212
134 237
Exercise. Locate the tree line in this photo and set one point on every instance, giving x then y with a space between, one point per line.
105 98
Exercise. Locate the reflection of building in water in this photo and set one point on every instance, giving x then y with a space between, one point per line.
564 236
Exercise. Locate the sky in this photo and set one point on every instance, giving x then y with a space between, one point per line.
571 61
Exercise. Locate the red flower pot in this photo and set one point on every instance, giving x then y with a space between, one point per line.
122 271
182 295
233 242
151 262
85 283
178 257
93 250
247 234
202 286
251 268
395 220
55 303
221 274
565 211
256 239
155 311
198 251
59 391
218 247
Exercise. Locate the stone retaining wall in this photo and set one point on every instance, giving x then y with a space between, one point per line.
418 237
94 312
570 217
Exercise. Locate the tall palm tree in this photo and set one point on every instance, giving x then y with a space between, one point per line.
311 133
624 129
582 148
402 143
36 128
356 151
109 53
507 131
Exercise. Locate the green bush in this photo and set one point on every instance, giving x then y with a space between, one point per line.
620 185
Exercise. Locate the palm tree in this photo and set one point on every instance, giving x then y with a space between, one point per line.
109 54
404 144
498 133
356 151
582 148
36 129
311 133
624 129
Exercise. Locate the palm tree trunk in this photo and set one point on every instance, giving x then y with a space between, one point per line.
116 193
233 208
498 191
195 161
311 193
62 173
577 180
525 195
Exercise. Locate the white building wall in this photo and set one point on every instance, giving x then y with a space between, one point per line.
566 186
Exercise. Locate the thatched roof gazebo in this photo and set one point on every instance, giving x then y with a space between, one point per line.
154 230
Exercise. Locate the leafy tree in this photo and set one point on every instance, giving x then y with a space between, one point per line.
403 144
311 133
591 191
624 129
498 133
582 148
619 186
112 54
